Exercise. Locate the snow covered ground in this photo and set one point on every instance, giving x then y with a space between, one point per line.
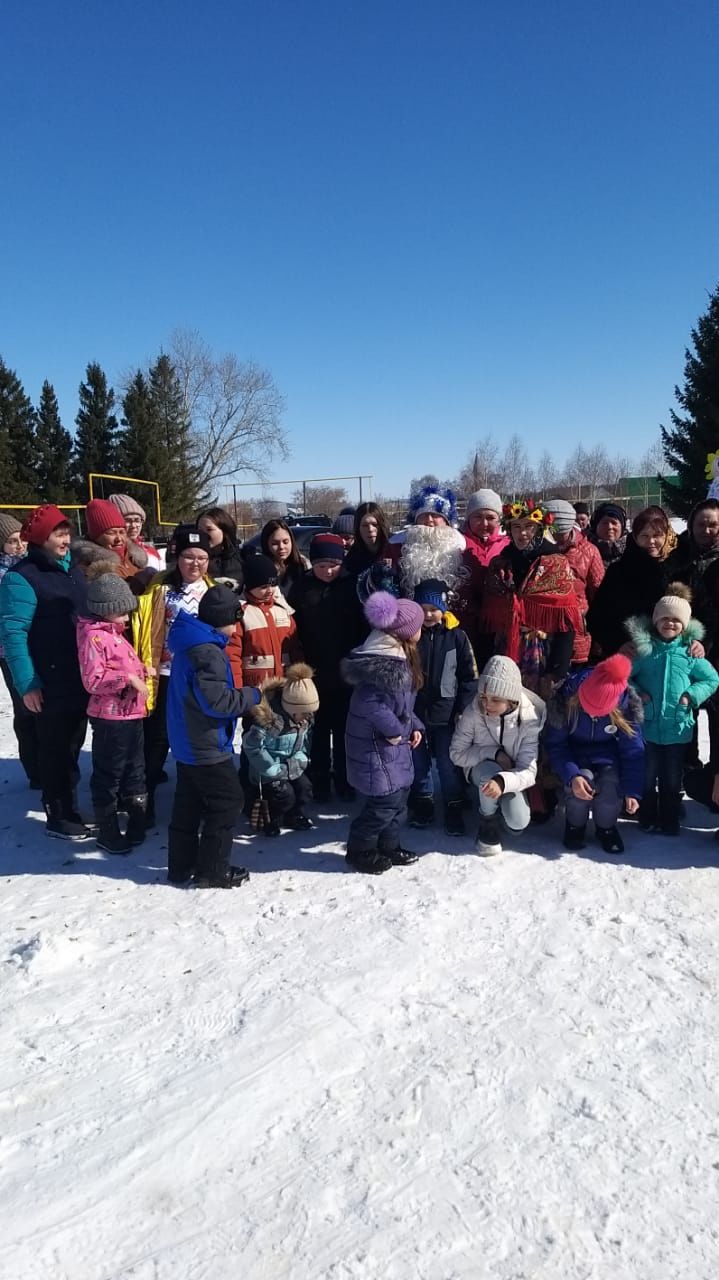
463 1069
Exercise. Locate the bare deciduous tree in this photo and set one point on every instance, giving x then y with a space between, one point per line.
234 409
546 474
320 500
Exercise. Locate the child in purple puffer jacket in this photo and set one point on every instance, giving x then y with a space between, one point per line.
115 678
382 730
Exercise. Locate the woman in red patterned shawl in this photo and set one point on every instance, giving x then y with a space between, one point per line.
531 600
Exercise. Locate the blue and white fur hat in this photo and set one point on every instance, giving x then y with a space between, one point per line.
429 499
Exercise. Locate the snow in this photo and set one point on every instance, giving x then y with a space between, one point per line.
467 1068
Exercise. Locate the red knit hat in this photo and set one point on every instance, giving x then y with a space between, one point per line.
40 523
101 516
602 690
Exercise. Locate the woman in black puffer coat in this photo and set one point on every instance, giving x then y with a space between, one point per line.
632 585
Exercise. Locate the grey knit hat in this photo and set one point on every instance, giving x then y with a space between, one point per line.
501 678
344 524
484 500
108 596
8 526
127 505
565 517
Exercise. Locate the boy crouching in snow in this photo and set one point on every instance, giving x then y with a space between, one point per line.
496 742
203 707
277 748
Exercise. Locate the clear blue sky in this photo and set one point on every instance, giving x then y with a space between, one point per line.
430 221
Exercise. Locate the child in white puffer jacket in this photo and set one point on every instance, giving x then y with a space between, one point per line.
496 743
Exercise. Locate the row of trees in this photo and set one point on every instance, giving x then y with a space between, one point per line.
187 421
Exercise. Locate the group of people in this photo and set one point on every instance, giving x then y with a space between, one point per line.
542 655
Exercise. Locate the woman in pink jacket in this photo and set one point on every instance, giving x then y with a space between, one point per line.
115 678
484 540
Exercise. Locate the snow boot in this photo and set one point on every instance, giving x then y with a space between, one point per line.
109 836
453 819
400 857
421 812
136 809
370 862
610 839
574 837
62 823
488 842
648 815
223 878
298 821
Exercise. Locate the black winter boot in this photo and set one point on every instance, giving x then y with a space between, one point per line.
453 819
421 812
136 808
488 841
371 863
610 839
574 836
400 857
223 878
109 836
298 821
62 824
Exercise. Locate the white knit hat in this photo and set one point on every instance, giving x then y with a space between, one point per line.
501 678
565 517
674 605
484 500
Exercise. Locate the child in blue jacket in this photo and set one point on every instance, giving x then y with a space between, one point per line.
672 685
594 743
203 707
277 747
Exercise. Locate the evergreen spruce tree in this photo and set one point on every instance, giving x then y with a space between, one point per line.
175 469
136 442
54 451
18 457
95 448
695 433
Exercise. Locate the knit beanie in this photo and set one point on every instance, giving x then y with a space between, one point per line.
400 618
344 525
432 592
484 500
380 576
8 526
429 501
260 571
127 505
565 517
601 691
501 678
299 692
677 603
327 546
101 516
108 595
187 537
219 607
611 509
38 526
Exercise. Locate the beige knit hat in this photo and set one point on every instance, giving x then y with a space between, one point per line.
677 603
299 693
8 526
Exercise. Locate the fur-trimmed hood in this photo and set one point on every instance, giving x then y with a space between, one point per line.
371 666
269 712
84 551
643 636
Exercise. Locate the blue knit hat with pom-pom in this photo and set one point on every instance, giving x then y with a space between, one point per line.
431 501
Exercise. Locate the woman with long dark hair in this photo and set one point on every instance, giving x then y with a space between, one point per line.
371 539
225 559
278 542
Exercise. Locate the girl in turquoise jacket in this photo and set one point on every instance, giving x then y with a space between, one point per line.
672 685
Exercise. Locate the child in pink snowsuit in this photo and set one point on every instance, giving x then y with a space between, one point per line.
115 678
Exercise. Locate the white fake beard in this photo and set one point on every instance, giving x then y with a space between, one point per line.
431 553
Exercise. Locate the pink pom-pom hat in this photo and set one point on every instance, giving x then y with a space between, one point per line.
400 618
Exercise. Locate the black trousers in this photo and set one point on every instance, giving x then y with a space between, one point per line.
207 796
118 763
60 734
327 754
284 796
376 827
25 727
157 743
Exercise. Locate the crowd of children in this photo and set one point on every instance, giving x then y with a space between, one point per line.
543 655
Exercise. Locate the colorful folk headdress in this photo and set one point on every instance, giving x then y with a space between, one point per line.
525 509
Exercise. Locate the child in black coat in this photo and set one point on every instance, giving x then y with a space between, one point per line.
450 685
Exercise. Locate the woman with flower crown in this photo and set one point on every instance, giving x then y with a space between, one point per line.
529 599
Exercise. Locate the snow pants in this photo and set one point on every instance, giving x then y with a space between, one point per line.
207 796
376 827
118 763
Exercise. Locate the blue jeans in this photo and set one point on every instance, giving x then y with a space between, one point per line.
376 827
435 747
